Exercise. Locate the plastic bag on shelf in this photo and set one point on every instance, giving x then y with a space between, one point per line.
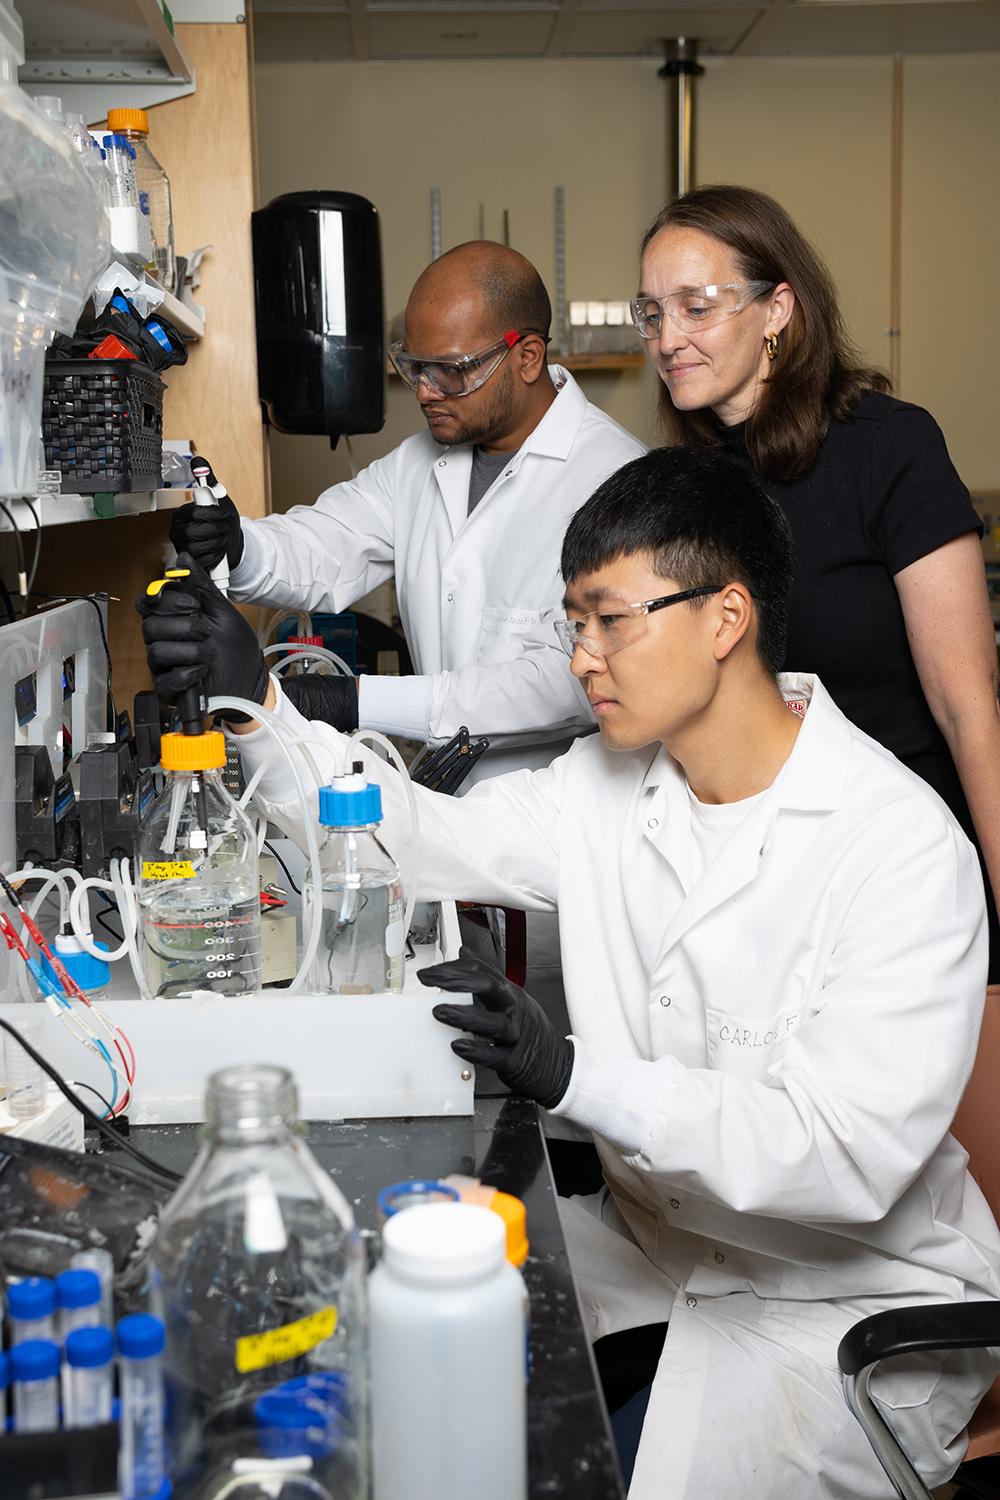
53 246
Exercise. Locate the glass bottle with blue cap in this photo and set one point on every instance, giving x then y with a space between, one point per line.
361 945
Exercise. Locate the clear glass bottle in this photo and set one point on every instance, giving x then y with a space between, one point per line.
152 181
361 943
258 1273
196 878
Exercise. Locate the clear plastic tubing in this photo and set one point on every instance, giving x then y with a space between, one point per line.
142 1472
35 1371
31 1306
78 1298
90 1356
102 1263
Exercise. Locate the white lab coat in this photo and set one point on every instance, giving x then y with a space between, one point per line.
476 593
770 1063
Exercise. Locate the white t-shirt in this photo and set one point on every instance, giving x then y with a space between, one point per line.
711 826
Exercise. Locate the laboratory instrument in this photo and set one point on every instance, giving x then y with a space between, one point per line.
89 1370
35 1375
258 1271
143 1460
362 938
446 1345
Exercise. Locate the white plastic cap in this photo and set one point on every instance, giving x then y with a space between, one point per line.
67 943
439 1243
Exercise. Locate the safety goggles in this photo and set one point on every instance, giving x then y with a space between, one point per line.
694 307
454 377
609 632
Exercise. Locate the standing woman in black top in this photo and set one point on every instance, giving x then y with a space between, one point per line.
889 604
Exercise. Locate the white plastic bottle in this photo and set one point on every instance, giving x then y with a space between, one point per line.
361 944
151 181
447 1359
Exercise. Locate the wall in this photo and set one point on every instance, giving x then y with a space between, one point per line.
506 133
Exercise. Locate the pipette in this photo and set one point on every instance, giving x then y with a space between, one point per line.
208 491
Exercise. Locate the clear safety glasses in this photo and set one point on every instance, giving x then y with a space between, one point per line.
694 307
454 377
602 634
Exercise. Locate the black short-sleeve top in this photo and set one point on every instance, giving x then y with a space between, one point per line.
882 494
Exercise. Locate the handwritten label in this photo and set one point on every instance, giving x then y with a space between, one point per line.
255 1351
167 869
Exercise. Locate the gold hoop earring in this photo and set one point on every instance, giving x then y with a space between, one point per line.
771 345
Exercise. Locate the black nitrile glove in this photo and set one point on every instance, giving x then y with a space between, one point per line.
194 635
208 533
511 1032
318 695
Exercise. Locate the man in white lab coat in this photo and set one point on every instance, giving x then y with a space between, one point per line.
467 516
773 941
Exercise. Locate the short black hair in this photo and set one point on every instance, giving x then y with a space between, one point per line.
703 518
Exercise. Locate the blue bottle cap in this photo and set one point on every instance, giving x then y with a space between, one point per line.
78 1288
4 1372
90 973
140 1336
356 805
35 1297
35 1359
408 1194
89 1348
296 1423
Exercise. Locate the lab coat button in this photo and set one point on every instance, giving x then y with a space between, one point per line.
664 1000
442 463
653 823
450 598
720 1258
692 1302
675 1203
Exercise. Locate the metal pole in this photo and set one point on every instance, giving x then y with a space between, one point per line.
559 329
680 69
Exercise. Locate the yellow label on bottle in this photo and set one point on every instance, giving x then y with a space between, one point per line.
167 869
258 1350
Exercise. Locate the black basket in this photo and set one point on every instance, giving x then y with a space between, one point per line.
102 425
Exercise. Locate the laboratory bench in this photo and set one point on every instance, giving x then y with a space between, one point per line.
571 1454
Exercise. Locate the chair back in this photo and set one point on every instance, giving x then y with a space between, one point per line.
977 1123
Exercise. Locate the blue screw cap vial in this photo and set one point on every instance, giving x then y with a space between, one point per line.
141 1336
78 1288
35 1359
35 1297
90 1348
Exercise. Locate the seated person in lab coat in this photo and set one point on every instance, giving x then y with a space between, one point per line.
774 948
468 517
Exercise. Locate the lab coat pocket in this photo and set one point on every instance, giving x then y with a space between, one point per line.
504 630
748 1046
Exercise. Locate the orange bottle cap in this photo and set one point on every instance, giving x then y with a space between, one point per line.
511 1210
128 119
193 752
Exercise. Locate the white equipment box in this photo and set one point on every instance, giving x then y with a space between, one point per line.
352 1056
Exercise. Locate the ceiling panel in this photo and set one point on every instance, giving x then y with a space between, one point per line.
802 30
611 33
465 34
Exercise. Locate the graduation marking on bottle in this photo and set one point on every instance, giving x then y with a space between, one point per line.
256 1351
167 869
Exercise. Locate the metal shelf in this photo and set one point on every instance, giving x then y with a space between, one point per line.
66 510
96 53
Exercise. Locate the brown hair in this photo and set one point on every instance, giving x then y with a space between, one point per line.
818 375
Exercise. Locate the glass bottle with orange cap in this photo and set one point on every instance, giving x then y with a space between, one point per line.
151 180
196 870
